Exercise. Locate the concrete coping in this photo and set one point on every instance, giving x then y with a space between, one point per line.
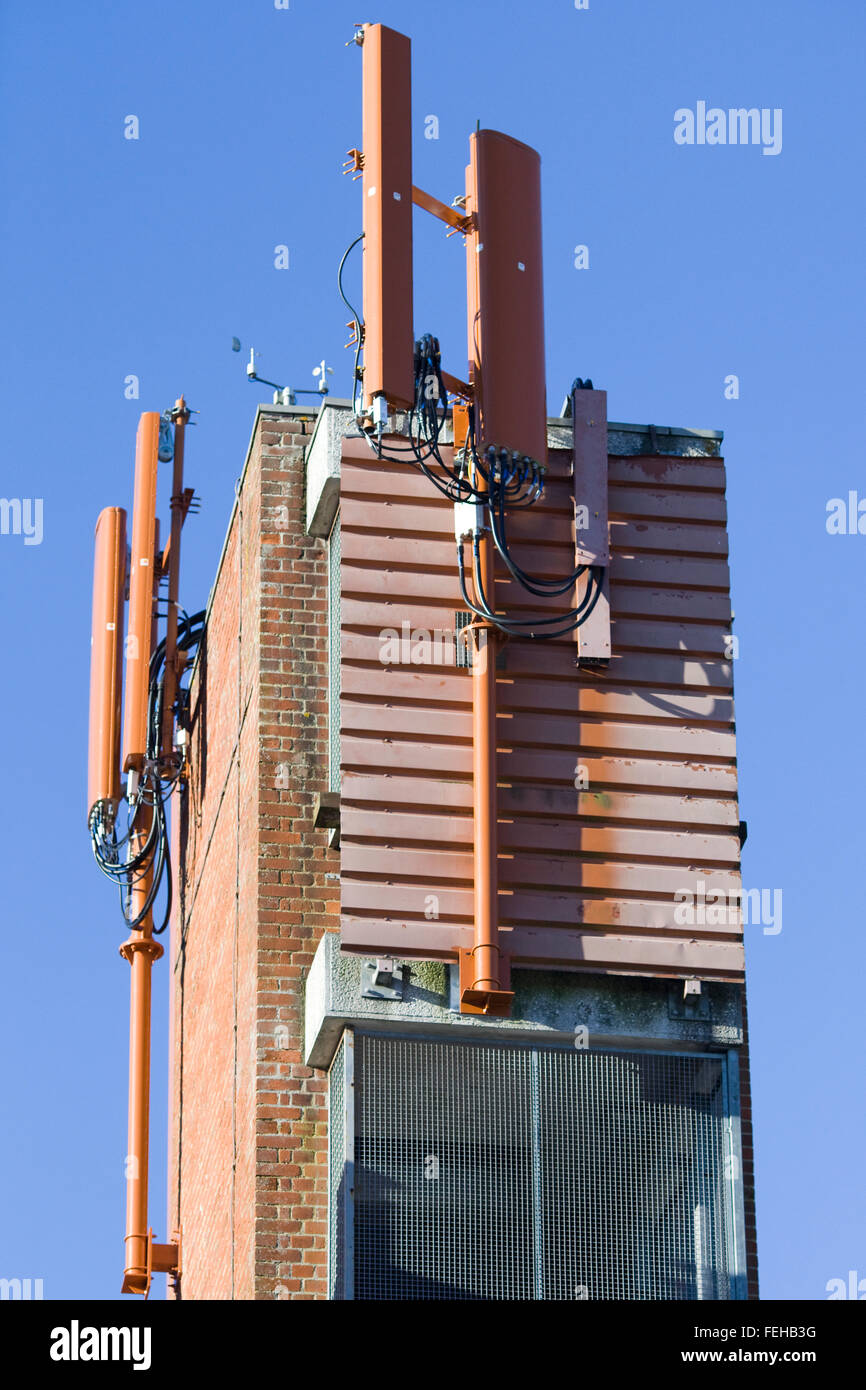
583 1009
335 421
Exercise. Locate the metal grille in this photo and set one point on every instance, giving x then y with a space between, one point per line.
336 1172
632 1176
489 1171
462 638
334 550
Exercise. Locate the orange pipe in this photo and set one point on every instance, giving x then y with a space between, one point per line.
486 970
141 951
489 276
484 990
177 515
106 651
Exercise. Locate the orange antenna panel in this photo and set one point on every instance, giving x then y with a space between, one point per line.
505 294
141 592
106 649
387 189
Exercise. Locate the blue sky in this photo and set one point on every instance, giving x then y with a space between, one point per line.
145 257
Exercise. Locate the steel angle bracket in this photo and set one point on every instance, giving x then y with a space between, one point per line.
492 1003
383 978
592 536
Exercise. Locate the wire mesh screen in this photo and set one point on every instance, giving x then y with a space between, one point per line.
502 1172
443 1195
633 1201
336 1173
334 549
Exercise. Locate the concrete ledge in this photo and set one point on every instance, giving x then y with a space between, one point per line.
616 1010
335 420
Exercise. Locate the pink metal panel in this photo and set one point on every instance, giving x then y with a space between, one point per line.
593 635
663 809
601 954
430 826
589 410
589 417
524 729
616 788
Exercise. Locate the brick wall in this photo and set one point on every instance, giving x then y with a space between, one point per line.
258 885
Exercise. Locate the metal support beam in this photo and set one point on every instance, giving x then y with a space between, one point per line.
458 220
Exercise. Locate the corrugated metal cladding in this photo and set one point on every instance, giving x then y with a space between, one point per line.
617 790
514 1172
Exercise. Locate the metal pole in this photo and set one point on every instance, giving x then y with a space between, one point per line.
486 974
141 951
181 415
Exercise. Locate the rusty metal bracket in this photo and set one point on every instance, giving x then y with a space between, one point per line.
185 504
353 164
493 1003
456 387
459 221
145 944
163 1259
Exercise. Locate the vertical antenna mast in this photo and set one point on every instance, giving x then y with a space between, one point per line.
141 593
387 198
180 415
106 662
505 294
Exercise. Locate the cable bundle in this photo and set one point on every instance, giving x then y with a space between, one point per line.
114 854
497 481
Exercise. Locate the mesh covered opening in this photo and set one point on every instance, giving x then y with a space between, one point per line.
487 1171
337 1174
